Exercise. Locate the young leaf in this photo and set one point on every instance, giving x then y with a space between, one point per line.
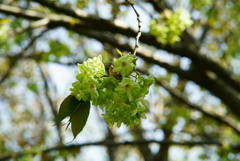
79 118
119 52
69 104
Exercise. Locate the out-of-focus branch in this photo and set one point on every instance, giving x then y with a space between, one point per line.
33 25
99 24
108 143
202 64
177 94
54 111
159 5
206 28
16 58
196 74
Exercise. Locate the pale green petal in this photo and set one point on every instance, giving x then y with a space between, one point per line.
124 65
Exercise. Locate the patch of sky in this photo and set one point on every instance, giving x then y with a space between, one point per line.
67 1
235 62
198 32
61 34
147 7
149 135
194 153
37 158
194 91
195 115
148 124
140 62
91 9
154 147
174 80
23 4
196 15
93 153
93 45
131 18
209 98
63 76
152 97
158 71
185 63
180 125
25 23
186 136
134 157
231 156
158 135
5 119
164 56
105 11
42 45
177 154
15 49
122 130
13 145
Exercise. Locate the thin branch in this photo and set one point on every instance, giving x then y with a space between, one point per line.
139 27
54 111
15 59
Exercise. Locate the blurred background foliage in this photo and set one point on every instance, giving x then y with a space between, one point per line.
41 43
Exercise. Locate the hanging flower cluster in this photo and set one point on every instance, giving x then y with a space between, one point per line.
121 93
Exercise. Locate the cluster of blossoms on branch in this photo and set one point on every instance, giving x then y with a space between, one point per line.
122 92
170 25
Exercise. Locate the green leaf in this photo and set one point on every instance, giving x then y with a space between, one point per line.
119 52
79 118
33 87
67 107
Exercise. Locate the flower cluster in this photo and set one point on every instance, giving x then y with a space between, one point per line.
121 93
171 25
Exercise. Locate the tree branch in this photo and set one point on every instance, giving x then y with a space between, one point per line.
227 94
177 94
93 23
108 143
201 63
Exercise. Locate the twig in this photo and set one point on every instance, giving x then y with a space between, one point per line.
139 27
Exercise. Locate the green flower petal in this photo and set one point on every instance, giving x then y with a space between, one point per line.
129 87
124 65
